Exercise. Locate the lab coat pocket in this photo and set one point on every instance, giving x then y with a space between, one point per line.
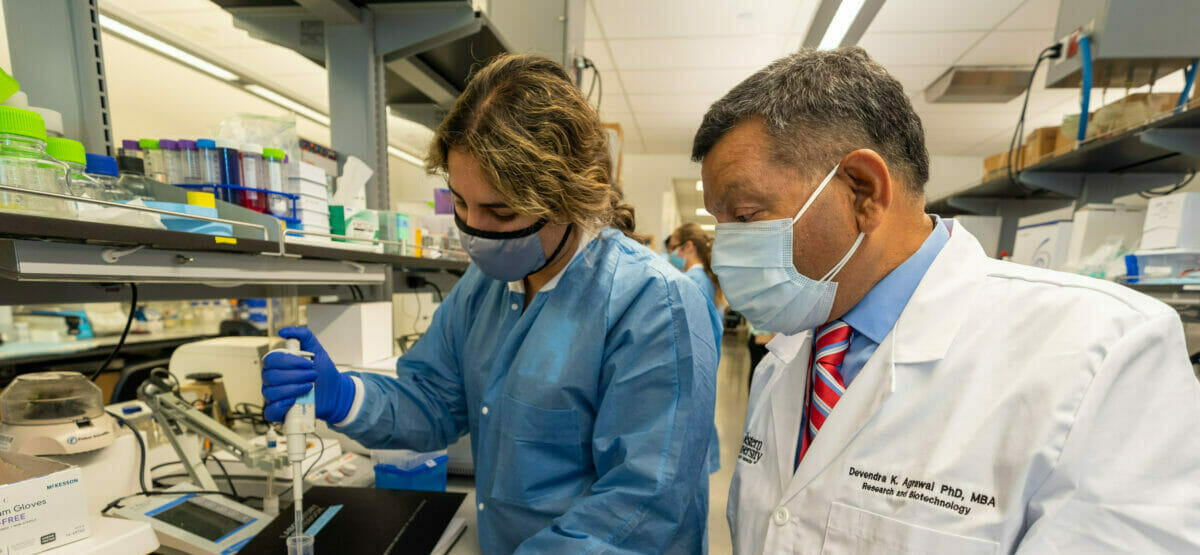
541 453
855 531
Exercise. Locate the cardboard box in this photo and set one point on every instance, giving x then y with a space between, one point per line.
353 333
307 171
996 165
1132 111
1040 144
305 187
42 504
395 226
1172 222
361 224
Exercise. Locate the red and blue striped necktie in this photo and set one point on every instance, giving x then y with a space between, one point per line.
829 350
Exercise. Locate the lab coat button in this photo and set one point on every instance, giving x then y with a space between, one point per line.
782 516
515 306
483 410
481 506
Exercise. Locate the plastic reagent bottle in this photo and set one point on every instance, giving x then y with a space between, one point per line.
252 177
275 179
155 166
172 161
191 161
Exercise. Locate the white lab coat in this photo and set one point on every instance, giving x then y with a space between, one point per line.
1011 410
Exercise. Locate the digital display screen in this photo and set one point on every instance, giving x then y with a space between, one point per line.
201 521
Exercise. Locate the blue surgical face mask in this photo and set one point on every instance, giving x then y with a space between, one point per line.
754 264
676 260
508 255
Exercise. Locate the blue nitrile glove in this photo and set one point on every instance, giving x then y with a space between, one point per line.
286 377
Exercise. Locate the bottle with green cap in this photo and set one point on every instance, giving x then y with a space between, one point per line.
273 161
156 167
25 164
72 153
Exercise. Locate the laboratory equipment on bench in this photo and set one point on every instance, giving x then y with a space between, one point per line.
238 359
53 413
193 523
176 416
209 389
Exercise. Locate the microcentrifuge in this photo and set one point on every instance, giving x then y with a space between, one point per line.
53 413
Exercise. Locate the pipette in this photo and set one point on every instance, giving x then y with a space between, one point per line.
300 421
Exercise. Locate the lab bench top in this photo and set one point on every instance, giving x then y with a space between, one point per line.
14 351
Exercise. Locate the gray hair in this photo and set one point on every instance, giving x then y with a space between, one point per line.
820 105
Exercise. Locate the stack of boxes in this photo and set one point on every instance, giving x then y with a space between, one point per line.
310 183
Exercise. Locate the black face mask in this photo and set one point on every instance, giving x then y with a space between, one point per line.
508 255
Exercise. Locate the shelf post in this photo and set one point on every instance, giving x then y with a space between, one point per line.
57 57
357 106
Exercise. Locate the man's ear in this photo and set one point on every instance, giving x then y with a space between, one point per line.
872 185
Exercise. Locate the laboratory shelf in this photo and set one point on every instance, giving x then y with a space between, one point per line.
1147 156
31 353
51 260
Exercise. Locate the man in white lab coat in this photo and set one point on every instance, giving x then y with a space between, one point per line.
955 403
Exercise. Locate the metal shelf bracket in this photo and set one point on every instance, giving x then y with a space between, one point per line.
1183 141
1098 187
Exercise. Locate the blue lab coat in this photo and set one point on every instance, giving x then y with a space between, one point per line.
590 411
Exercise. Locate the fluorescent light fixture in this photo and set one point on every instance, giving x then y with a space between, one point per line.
699 185
702 212
405 156
847 12
288 103
708 227
129 33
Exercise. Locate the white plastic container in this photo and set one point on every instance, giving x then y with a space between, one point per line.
275 177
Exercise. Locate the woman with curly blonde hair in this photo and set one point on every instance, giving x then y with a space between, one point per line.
580 362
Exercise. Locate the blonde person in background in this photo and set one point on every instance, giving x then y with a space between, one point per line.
581 364
689 249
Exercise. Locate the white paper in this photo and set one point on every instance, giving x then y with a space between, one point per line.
352 185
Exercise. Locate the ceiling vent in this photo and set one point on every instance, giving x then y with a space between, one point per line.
979 84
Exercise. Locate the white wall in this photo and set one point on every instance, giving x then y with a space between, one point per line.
950 174
646 177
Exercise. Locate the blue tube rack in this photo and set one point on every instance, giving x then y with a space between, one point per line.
229 192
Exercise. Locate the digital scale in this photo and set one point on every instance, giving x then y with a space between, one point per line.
197 524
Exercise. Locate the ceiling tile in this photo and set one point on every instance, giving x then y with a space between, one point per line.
608 82
614 106
662 134
671 104
597 51
1018 48
591 27
1033 14
698 18
681 146
666 81
941 15
696 53
916 78
918 49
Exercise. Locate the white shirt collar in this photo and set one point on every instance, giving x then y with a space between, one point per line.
519 285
